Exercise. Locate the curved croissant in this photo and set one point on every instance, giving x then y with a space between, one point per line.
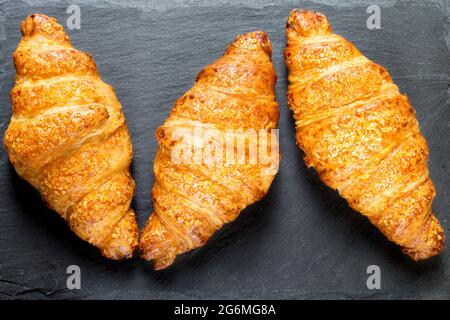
194 199
68 138
360 134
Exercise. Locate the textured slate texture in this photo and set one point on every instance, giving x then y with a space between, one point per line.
302 240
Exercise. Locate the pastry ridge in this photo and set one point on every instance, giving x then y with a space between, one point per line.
193 200
360 134
68 138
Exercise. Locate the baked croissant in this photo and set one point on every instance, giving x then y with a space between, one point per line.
360 134
68 138
192 199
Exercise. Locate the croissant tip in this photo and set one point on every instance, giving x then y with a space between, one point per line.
308 23
160 266
121 252
33 22
254 40
423 254
431 246
159 263
42 24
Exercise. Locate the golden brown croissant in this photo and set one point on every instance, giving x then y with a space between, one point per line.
68 138
360 134
232 96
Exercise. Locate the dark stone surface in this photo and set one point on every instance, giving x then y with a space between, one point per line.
302 240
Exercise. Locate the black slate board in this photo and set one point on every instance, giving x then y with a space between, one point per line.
302 240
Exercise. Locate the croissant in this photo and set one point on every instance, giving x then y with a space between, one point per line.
68 138
233 97
360 134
